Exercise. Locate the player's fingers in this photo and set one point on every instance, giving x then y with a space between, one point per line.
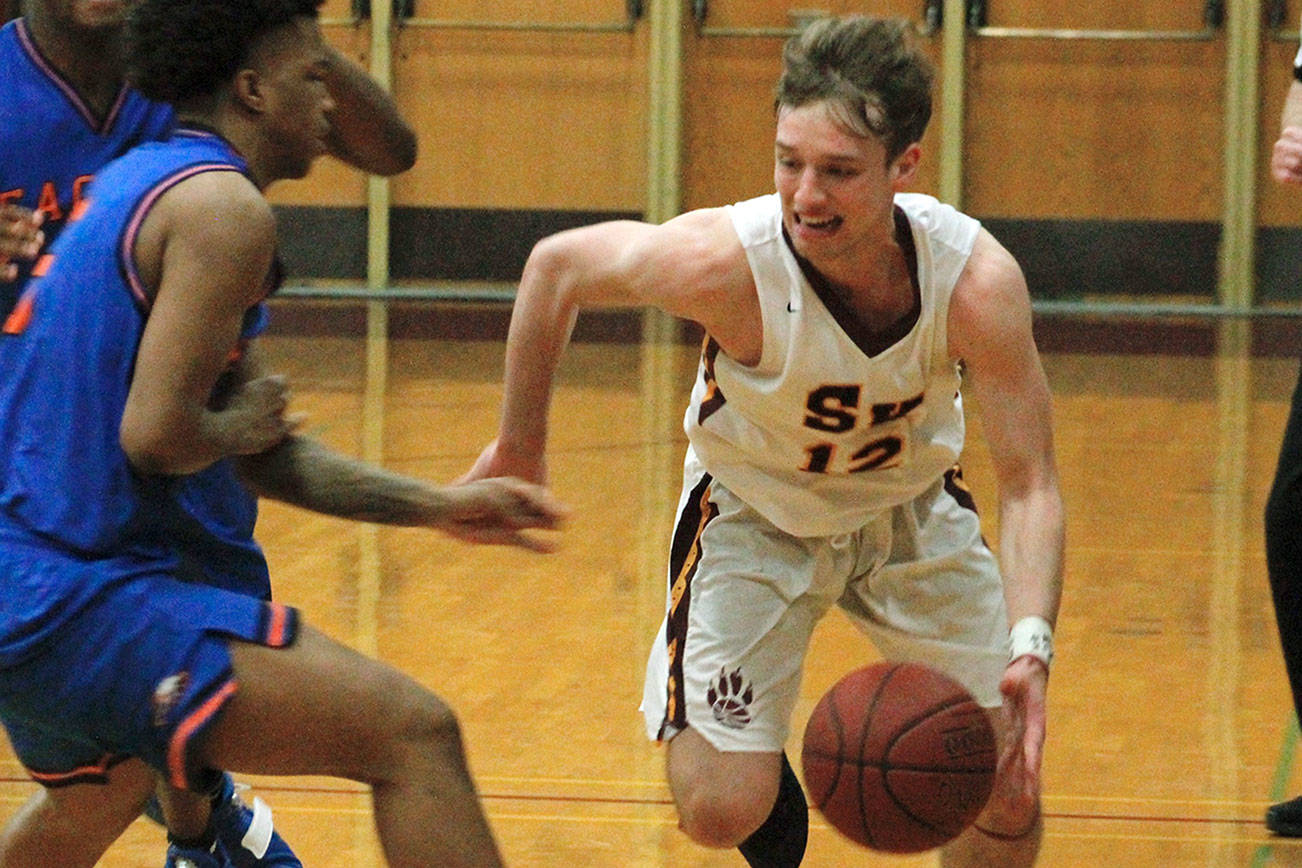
501 536
531 505
294 421
532 543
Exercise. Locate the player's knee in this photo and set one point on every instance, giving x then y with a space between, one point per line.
721 817
429 725
1009 818
420 735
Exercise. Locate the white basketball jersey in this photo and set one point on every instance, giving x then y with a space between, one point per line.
819 436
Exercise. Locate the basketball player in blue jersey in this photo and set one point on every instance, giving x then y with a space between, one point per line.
842 315
110 668
67 113
64 112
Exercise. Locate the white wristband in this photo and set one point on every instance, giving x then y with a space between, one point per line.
1031 637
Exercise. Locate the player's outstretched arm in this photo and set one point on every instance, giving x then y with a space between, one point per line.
366 130
305 473
686 267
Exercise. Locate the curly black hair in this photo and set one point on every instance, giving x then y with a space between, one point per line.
179 51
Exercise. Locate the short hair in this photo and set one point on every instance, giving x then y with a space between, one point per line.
179 51
870 71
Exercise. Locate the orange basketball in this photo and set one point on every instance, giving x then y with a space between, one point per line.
899 757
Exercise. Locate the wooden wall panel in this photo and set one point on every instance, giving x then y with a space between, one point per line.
728 100
524 120
1095 130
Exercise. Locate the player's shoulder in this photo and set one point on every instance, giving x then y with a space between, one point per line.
990 296
221 210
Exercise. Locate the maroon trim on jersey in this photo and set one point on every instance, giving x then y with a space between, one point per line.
713 398
871 338
957 488
41 62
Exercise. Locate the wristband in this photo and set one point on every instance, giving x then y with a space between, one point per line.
1031 637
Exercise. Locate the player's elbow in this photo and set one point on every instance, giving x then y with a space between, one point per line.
153 451
554 268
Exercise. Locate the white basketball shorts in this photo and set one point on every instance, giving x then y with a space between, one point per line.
744 598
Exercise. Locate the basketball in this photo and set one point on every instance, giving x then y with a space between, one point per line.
899 758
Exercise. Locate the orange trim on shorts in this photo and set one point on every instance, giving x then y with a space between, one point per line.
278 627
96 771
181 738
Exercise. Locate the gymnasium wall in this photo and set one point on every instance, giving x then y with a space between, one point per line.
1100 163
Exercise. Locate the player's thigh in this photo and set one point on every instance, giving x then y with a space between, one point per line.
319 707
78 822
729 658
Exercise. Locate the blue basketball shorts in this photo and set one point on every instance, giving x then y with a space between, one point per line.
141 671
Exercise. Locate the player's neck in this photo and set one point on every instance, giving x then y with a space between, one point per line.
89 60
237 132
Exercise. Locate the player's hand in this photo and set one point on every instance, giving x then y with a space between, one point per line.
497 511
20 238
254 418
495 461
1023 686
1286 158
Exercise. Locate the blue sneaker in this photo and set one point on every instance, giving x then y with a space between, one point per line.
194 857
246 833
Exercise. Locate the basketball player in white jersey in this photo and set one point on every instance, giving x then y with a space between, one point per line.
841 315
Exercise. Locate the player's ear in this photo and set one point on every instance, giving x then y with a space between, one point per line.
905 167
247 88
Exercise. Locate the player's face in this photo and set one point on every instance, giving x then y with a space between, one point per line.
836 187
85 14
293 69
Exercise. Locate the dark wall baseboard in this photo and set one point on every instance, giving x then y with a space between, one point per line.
1279 263
1062 259
1073 259
425 243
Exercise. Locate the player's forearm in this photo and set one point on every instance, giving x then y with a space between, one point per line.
1031 543
1292 113
367 130
541 325
179 444
304 473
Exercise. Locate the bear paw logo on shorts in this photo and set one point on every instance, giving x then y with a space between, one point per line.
730 698
166 694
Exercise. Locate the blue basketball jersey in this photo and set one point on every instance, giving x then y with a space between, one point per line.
51 143
68 352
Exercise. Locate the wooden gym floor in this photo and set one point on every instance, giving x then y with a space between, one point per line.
1170 726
